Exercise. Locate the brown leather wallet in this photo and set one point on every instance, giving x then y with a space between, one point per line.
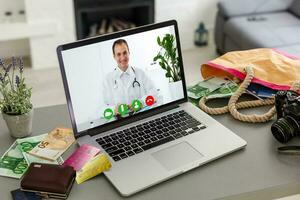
48 180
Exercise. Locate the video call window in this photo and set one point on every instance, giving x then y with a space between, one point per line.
118 78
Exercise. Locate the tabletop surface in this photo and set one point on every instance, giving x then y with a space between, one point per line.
256 167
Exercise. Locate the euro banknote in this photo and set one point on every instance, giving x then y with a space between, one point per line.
27 144
203 88
54 144
12 163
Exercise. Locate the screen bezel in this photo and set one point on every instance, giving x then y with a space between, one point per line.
117 123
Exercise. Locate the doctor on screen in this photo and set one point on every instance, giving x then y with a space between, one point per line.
126 83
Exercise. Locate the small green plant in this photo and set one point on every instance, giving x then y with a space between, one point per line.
167 57
14 94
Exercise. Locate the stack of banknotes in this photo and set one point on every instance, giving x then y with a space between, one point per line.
46 148
211 88
87 160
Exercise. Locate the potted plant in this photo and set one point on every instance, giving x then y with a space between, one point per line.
15 103
169 61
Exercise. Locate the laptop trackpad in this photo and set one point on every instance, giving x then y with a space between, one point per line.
177 155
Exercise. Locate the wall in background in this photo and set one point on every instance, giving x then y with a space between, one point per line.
13 47
188 15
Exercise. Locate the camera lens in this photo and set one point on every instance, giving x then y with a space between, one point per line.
284 130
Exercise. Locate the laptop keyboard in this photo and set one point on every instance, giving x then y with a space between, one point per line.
136 139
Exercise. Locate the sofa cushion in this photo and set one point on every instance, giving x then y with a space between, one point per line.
264 30
295 8
231 8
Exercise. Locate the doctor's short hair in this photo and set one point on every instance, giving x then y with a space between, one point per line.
118 42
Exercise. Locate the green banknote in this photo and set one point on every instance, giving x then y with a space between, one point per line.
26 144
226 90
205 87
12 163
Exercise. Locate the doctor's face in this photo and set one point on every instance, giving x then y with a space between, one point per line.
121 56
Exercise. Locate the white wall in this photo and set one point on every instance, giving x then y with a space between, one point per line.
188 15
18 47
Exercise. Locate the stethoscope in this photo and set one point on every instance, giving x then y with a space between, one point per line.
134 83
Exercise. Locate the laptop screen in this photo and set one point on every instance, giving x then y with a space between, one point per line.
123 76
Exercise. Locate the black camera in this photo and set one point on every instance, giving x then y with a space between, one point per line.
287 126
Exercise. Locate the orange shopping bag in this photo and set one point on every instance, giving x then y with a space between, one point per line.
268 67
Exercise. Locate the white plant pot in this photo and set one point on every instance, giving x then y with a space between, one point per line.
176 90
19 126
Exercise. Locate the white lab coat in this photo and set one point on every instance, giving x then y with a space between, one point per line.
118 87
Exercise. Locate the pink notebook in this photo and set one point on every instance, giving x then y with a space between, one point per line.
82 155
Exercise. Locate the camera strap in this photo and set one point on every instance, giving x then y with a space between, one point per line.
291 150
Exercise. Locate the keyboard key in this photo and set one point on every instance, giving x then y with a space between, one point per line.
160 136
134 141
202 127
127 143
123 155
157 143
115 142
134 131
101 142
120 145
128 138
140 129
105 137
184 127
115 153
122 140
166 134
114 137
176 125
137 150
153 129
141 143
116 158
177 135
147 141
152 134
130 153
196 128
141 133
106 146
178 130
147 127
134 146
193 125
184 133
147 131
146 136
111 149
182 123
160 127
191 131
127 148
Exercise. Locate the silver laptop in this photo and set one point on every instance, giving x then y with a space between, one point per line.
126 94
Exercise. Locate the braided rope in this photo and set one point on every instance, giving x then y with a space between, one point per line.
233 106
234 98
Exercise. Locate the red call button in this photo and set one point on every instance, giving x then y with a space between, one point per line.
149 100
